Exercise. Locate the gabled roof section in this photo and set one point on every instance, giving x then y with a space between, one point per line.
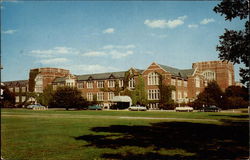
16 83
184 73
59 80
101 76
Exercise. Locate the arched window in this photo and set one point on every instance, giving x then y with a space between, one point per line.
209 75
230 79
153 78
197 82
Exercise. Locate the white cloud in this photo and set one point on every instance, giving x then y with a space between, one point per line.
93 68
131 46
193 26
108 31
10 31
54 51
164 23
158 35
54 60
207 20
117 55
94 53
114 51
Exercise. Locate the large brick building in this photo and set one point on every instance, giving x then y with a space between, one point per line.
188 82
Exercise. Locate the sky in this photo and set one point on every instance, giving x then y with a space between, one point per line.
108 36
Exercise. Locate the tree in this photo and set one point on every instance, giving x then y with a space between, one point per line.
237 97
234 45
46 97
139 95
68 97
7 97
212 95
166 102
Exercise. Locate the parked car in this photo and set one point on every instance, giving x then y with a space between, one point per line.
184 109
137 108
36 107
95 107
212 109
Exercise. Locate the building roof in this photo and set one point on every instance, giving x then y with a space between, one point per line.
18 83
59 79
101 76
184 73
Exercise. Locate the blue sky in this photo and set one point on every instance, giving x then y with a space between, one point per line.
93 37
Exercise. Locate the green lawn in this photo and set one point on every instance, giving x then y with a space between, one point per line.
74 135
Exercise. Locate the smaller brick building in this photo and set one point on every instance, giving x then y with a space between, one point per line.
39 78
20 88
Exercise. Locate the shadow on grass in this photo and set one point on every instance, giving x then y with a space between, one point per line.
204 141
230 116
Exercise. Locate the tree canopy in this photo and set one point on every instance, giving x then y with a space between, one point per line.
7 98
67 97
234 45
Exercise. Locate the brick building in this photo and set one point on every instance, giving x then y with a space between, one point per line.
39 78
20 88
188 82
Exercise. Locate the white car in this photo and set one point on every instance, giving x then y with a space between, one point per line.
184 109
137 108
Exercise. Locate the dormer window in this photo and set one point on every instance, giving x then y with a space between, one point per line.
90 84
153 79
111 83
131 83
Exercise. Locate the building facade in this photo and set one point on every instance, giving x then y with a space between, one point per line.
102 87
20 89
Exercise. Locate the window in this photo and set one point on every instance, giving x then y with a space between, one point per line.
179 95
197 93
11 89
185 83
100 84
23 89
197 82
54 87
209 75
100 96
111 83
90 84
80 85
90 96
153 94
120 83
70 82
39 84
17 99
154 105
185 94
23 98
131 83
173 82
173 95
179 82
230 79
153 79
111 95
17 89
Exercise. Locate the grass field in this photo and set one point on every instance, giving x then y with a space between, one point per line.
86 135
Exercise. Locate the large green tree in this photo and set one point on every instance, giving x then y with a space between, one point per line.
235 45
139 95
47 95
68 97
212 95
7 97
166 101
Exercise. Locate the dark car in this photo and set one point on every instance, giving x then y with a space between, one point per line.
211 109
95 107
